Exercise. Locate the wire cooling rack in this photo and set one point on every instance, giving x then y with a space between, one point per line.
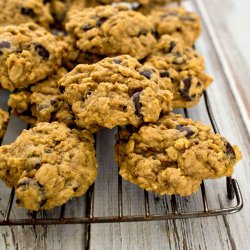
233 193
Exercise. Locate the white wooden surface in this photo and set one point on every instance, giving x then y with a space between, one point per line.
227 23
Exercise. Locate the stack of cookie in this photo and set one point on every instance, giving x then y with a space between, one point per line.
75 67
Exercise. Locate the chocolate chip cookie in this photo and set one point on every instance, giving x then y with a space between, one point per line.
111 31
4 118
28 54
177 22
43 102
173 155
184 66
115 91
48 165
24 11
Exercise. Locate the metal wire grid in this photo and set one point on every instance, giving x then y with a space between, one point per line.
233 191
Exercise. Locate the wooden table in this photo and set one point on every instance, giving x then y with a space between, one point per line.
225 45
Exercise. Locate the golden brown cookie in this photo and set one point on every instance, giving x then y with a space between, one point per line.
49 165
184 66
115 91
173 155
111 31
43 102
24 11
177 22
28 54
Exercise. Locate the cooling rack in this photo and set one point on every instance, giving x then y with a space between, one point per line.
233 193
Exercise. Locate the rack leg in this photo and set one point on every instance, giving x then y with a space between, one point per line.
230 189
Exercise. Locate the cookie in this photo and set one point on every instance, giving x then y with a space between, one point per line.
43 102
48 165
24 11
173 155
177 22
4 118
184 66
115 92
28 54
111 31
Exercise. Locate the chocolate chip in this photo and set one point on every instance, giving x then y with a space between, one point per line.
189 132
164 74
44 53
75 189
37 166
4 45
187 85
87 27
33 163
100 21
61 89
229 150
199 84
171 46
116 61
179 29
28 12
18 201
136 100
1 52
147 73
54 103
42 203
123 108
154 33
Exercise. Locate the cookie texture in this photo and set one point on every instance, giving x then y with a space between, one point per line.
184 66
115 91
4 118
43 102
173 155
73 56
24 11
48 165
177 22
111 31
28 54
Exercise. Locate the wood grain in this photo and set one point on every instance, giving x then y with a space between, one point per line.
228 232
